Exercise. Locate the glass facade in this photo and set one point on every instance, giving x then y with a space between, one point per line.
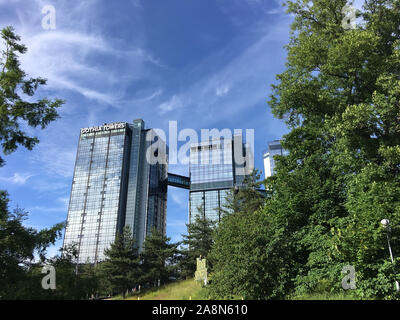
211 165
178 181
157 198
274 148
110 189
208 203
212 172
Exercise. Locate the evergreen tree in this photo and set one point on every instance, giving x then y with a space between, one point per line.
70 284
89 281
197 242
248 197
73 281
158 258
121 268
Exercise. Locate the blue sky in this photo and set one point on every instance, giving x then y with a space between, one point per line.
206 64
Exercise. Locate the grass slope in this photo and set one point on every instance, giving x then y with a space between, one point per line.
193 290
324 296
182 290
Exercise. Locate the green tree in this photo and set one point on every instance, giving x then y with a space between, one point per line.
197 242
73 281
121 266
159 258
248 197
245 262
89 281
14 110
339 97
18 246
70 284
240 265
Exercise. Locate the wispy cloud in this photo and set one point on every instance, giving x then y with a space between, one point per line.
111 70
63 58
242 82
54 160
17 178
179 197
222 90
69 55
176 223
172 104
43 209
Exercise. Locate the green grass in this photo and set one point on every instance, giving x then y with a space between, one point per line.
193 290
324 296
182 290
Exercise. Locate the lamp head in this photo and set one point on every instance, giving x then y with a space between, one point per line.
385 222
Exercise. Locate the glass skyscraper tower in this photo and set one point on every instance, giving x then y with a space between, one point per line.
214 171
115 185
274 148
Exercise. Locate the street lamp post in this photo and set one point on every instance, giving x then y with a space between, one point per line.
385 224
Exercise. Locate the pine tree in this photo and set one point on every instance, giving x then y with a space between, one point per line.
121 268
247 197
158 258
197 242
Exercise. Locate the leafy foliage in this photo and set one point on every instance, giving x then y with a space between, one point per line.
197 242
245 260
339 96
14 110
159 258
121 267
18 245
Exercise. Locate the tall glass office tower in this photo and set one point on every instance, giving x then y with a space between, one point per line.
214 171
115 185
274 148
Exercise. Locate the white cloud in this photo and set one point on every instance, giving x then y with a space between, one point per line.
222 91
64 201
171 105
180 197
147 96
67 55
279 10
54 160
17 178
153 95
243 81
148 57
61 57
44 186
43 209
176 223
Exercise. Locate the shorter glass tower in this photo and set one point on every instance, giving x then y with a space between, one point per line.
274 148
115 185
213 173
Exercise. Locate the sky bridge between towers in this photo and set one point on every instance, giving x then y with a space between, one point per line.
178 181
